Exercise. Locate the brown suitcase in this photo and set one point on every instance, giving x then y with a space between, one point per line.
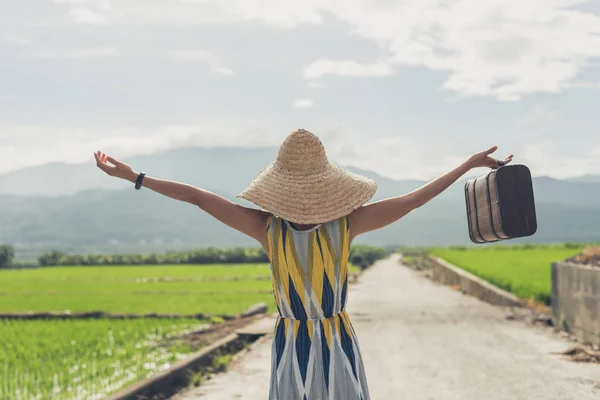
500 205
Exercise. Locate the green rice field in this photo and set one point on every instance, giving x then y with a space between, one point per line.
522 270
85 359
88 359
212 289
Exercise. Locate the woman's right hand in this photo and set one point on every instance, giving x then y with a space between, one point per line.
117 169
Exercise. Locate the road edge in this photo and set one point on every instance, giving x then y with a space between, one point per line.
449 274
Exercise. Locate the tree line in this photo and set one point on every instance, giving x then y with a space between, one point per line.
7 255
360 255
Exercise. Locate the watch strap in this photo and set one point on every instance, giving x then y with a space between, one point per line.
138 182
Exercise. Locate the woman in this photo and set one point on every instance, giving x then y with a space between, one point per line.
311 212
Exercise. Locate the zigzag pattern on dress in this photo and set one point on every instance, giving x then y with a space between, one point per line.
315 352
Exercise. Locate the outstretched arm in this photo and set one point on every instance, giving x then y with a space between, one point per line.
381 213
250 221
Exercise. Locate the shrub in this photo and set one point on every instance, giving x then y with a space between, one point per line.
55 257
573 245
7 255
458 248
364 255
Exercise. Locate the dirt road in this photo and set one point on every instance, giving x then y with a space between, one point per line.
424 341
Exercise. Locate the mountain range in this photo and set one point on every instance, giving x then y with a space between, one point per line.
77 208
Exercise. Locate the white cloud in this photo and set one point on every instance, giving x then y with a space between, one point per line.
98 2
302 103
76 144
321 68
584 84
87 16
29 145
18 40
502 49
97 52
542 114
548 158
314 85
200 56
94 52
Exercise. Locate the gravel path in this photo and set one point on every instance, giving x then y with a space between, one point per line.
423 341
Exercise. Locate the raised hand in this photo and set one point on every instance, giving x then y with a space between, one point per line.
483 159
117 169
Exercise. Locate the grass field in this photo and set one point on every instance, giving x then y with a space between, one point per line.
521 270
64 359
212 289
86 359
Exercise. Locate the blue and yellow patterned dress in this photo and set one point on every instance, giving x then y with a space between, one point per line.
315 352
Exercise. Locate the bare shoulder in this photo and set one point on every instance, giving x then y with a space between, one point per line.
352 220
262 233
262 219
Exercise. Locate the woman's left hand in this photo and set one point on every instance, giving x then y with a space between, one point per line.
483 159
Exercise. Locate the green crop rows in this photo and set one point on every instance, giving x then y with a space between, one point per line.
522 270
85 359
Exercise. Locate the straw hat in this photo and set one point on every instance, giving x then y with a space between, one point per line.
302 186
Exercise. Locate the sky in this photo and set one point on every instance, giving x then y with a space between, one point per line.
408 89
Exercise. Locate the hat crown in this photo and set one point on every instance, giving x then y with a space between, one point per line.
302 151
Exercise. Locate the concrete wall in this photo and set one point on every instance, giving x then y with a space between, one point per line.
448 274
576 300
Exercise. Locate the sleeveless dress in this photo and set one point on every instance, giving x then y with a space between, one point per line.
315 353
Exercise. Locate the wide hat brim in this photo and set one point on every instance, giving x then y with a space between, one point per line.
316 198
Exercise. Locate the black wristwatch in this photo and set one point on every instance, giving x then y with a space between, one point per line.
138 182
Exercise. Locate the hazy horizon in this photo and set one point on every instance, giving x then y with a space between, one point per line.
473 173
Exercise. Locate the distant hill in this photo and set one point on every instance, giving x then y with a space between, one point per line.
586 179
79 209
